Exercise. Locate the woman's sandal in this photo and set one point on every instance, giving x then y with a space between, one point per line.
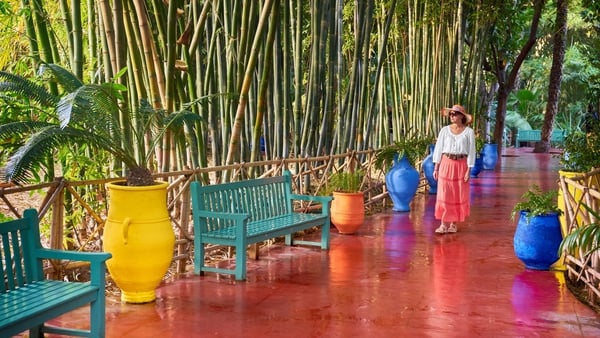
442 229
452 228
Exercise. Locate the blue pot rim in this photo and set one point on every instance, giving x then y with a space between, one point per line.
525 213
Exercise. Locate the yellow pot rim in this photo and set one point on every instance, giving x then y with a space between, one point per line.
118 185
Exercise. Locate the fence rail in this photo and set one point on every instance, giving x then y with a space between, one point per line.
74 212
581 197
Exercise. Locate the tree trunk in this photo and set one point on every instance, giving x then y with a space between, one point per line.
558 55
510 81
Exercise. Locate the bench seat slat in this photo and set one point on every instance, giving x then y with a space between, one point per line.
41 301
267 226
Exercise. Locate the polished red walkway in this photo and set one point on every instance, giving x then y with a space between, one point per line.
394 278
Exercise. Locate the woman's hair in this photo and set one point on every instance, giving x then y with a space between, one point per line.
464 119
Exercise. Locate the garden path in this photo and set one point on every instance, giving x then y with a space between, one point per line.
394 278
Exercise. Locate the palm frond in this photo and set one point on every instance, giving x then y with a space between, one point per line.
174 123
12 83
26 160
90 106
63 77
21 129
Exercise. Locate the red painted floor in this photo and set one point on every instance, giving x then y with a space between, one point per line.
394 278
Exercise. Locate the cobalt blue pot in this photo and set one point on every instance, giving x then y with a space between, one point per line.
537 239
477 166
428 168
402 181
490 156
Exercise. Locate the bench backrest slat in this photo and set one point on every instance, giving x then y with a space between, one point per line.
18 240
536 134
259 198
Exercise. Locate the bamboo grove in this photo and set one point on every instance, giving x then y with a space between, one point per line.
271 78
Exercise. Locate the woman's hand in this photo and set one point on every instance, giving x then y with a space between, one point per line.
435 175
467 175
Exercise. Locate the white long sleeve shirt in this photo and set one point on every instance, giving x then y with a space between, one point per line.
449 143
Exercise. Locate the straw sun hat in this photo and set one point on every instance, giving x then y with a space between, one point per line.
459 109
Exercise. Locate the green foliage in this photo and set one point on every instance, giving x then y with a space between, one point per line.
527 110
537 202
479 142
581 151
4 218
90 115
345 181
413 146
586 237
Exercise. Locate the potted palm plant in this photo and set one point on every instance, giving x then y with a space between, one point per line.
537 235
347 207
138 231
398 160
581 154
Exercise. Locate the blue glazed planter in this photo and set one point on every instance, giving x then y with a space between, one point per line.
402 181
428 168
489 153
537 239
478 166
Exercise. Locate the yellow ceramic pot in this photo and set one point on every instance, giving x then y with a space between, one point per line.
139 235
595 181
561 199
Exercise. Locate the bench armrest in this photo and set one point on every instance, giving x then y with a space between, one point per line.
238 217
97 260
320 199
324 200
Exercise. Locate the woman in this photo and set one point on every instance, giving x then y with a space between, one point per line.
454 156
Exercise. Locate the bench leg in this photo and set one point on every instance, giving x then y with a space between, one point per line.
325 229
36 332
97 316
198 258
240 263
289 239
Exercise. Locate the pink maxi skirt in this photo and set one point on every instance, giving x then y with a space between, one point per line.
453 193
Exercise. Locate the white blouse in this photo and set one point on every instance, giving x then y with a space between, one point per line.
449 143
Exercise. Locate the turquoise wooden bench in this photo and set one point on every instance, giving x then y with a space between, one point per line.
242 213
28 300
557 136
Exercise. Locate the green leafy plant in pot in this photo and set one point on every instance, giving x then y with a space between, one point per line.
581 154
537 235
398 160
138 230
347 207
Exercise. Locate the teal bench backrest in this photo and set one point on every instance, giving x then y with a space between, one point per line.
18 239
530 134
558 135
536 135
259 198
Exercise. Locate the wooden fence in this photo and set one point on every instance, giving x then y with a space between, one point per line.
581 194
74 212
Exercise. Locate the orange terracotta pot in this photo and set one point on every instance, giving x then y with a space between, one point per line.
348 211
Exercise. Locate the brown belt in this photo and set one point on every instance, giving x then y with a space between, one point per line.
455 156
